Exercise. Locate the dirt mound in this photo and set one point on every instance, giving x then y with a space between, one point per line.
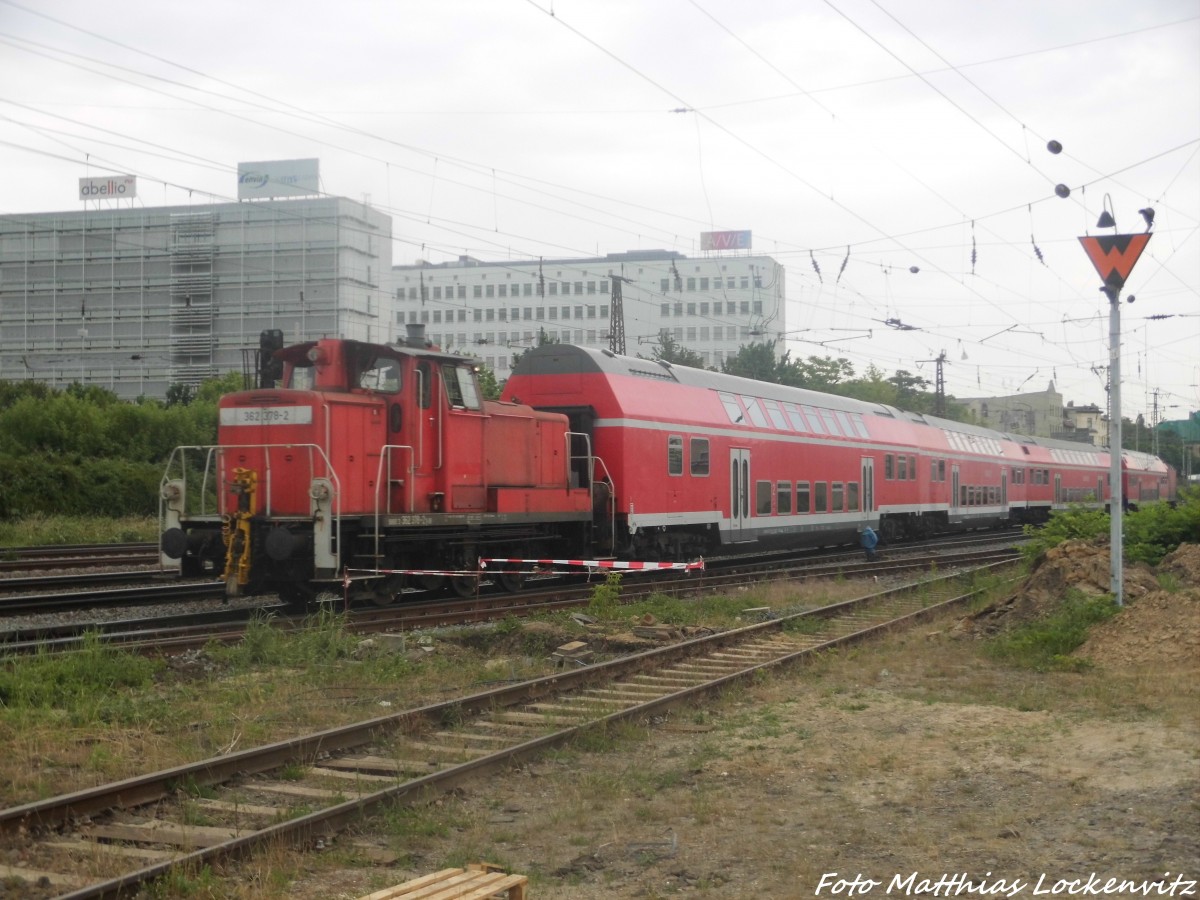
1077 565
1183 563
1159 629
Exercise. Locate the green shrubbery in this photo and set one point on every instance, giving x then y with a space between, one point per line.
83 451
1150 532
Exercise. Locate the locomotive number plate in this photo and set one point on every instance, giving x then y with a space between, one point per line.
267 415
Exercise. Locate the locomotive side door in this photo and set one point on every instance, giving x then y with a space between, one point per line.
868 487
427 434
739 494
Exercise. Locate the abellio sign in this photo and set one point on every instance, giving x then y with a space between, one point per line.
109 187
277 178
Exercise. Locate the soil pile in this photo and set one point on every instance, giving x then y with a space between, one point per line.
1156 627
1161 628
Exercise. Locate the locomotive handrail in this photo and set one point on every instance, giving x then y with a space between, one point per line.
212 452
382 484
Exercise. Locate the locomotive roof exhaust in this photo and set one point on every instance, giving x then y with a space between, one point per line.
416 335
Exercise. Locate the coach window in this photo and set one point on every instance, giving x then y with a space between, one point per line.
941 470
777 419
820 496
755 411
860 426
762 502
839 497
699 456
844 421
674 454
852 496
814 420
732 409
912 468
962 495
783 498
802 497
830 422
794 416
889 467
902 468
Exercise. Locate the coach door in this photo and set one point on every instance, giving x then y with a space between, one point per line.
868 487
954 496
739 495
1004 491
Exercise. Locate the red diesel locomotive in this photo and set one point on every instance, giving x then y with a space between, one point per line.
364 467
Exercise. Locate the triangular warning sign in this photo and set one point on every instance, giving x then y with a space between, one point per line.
1115 255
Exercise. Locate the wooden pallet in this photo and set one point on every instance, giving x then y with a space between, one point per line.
479 881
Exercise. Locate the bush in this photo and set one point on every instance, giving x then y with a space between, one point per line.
1150 532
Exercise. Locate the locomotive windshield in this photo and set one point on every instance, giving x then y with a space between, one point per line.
460 386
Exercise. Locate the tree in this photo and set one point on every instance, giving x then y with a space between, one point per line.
911 393
180 394
756 361
489 387
671 351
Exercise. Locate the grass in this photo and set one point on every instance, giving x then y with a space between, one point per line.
1047 643
38 531
65 724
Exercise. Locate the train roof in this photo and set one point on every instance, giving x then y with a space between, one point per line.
568 359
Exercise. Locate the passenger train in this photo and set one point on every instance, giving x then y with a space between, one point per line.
365 468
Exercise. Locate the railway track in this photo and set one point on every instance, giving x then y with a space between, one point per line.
75 556
105 841
184 630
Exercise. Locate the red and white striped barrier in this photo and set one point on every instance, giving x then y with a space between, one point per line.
450 573
635 566
531 567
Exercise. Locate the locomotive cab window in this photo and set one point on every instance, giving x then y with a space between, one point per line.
382 375
460 386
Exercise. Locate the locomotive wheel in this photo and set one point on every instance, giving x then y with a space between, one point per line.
464 586
512 579
297 596
383 598
431 582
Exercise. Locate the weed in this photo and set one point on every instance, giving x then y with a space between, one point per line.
606 597
1046 643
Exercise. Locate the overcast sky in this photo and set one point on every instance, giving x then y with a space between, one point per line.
863 138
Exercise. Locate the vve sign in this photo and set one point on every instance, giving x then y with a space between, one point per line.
110 187
277 178
724 240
